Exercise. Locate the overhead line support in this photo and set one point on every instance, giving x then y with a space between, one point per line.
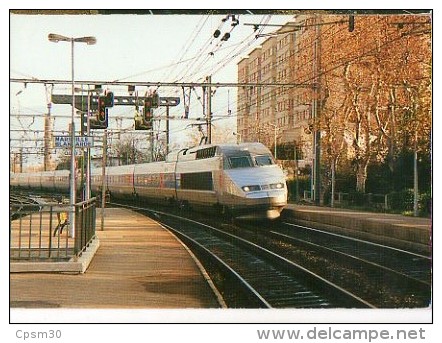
166 84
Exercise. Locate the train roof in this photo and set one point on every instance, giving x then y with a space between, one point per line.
212 150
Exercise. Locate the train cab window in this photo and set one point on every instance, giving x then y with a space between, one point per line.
240 162
263 160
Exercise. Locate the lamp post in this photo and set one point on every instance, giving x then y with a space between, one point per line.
55 38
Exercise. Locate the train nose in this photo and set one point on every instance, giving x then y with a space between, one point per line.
279 199
273 197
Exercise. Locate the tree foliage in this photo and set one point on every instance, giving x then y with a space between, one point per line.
127 150
374 88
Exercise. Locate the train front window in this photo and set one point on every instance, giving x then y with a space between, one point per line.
263 160
240 162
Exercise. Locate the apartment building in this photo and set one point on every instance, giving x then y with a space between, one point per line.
276 114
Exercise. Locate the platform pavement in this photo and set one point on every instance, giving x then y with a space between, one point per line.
139 265
403 232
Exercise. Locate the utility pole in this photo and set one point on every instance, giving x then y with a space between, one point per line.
103 179
295 157
209 110
317 113
167 130
415 180
47 128
152 141
204 115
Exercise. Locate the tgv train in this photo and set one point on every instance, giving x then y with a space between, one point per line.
241 179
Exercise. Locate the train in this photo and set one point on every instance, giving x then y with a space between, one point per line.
241 180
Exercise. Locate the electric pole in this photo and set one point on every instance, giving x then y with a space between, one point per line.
209 110
167 130
47 128
317 113
103 178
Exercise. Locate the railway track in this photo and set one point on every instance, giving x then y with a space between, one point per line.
385 276
252 276
17 202
410 265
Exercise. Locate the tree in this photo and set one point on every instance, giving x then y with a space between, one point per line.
128 151
376 89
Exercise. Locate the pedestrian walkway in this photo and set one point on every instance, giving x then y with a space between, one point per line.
139 264
398 230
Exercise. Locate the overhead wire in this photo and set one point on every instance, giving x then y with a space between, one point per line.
189 44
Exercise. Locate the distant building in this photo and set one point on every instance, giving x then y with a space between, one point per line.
281 114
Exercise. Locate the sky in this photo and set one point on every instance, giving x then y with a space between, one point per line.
158 48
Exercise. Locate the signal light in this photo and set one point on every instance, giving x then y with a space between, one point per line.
143 122
109 99
155 102
101 109
101 120
147 113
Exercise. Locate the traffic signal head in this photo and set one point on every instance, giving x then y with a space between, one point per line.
101 109
155 100
147 113
101 121
109 99
141 123
102 116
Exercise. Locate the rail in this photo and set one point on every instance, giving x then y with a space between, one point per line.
42 232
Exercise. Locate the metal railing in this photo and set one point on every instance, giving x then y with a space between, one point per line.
85 215
41 232
369 200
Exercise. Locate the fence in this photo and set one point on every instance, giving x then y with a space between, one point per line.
375 201
42 232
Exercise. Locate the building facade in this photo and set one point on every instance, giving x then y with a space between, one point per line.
276 115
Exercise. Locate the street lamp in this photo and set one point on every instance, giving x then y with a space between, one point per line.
55 38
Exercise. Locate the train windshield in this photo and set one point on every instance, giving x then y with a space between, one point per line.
249 160
240 162
249 155
263 160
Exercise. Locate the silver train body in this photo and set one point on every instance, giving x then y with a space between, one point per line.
241 179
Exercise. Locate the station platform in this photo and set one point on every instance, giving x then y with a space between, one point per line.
139 265
403 232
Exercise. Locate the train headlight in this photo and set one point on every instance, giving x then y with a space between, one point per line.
278 185
251 188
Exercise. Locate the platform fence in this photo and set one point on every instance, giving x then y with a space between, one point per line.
42 232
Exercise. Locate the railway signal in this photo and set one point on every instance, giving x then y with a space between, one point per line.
109 99
101 119
144 122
